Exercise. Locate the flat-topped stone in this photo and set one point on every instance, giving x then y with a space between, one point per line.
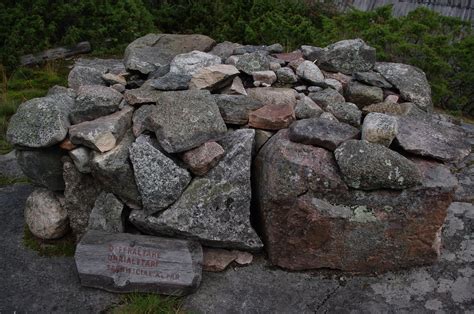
123 262
235 109
94 101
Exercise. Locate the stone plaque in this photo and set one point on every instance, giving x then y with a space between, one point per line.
121 262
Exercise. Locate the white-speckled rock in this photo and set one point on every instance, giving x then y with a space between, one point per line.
379 128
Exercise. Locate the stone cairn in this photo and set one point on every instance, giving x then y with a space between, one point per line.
320 157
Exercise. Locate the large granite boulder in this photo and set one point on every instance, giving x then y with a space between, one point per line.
369 166
154 51
311 219
347 56
114 172
160 180
104 133
80 193
429 138
186 119
45 216
94 101
40 122
215 208
410 81
43 167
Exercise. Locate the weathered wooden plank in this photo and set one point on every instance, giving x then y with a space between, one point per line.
122 262
55 53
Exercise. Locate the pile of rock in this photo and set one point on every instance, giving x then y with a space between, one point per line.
336 157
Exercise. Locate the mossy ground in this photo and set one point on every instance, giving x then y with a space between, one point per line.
4 181
64 246
141 303
23 84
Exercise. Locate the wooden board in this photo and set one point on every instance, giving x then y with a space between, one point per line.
122 262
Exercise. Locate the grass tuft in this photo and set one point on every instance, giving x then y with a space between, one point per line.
4 181
64 246
142 303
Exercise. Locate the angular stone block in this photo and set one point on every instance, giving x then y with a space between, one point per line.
121 262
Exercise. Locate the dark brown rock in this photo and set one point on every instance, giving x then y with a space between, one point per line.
203 158
271 117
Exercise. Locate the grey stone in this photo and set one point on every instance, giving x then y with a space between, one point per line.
154 51
61 90
107 214
104 133
44 215
314 89
273 96
81 191
171 81
334 84
396 109
328 116
9 166
215 209
363 95
186 119
346 112
115 173
431 139
213 77
379 128
410 81
264 77
236 88
159 179
119 87
261 137
225 49
112 79
286 76
235 109
372 78
142 95
81 157
369 166
347 56
43 167
307 108
40 122
312 53
252 62
90 71
94 101
326 96
189 63
321 132
140 119
159 265
310 73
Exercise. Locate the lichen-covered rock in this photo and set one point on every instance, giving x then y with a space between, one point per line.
346 112
43 167
40 122
426 137
154 51
306 108
410 81
115 173
363 95
235 109
286 76
326 96
311 220
372 78
190 63
215 209
90 71
252 62
379 128
213 77
107 214
44 215
186 119
203 158
104 133
171 81
159 179
310 73
94 101
369 166
321 132
225 49
81 191
347 56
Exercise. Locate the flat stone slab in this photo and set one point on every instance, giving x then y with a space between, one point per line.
122 262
